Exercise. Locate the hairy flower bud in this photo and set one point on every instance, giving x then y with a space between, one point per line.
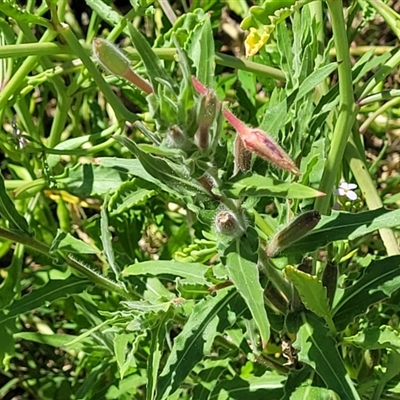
208 108
206 113
176 138
115 62
255 140
293 232
227 224
260 143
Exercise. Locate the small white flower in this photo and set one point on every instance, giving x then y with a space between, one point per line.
347 189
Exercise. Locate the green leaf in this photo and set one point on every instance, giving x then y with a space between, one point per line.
12 10
343 226
56 340
194 341
260 186
313 393
383 337
129 166
201 51
176 177
46 294
317 348
192 272
154 69
274 119
129 195
380 279
312 81
9 212
312 293
89 180
241 263
158 335
106 240
267 386
66 242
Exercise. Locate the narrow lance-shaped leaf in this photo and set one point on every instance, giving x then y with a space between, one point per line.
317 348
106 240
379 280
9 212
194 341
240 259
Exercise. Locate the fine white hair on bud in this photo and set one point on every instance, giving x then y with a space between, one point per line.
110 57
227 223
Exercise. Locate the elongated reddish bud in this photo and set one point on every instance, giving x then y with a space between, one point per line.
254 139
260 143
116 63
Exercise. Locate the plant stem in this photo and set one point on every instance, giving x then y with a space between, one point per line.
346 116
45 249
27 66
377 113
368 189
28 49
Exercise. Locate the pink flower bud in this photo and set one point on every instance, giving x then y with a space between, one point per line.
254 139
260 143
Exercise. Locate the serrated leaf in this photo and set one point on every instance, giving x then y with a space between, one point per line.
383 337
317 348
127 196
192 272
261 186
66 242
37 298
89 180
243 272
380 279
312 293
9 212
344 226
194 341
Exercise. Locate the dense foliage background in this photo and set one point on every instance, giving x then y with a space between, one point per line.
154 245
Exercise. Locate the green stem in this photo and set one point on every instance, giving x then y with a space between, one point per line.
368 189
27 66
381 110
53 49
346 116
43 248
